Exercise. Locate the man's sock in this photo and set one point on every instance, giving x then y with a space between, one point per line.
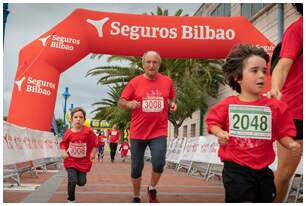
151 187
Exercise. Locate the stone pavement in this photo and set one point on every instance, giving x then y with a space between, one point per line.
110 183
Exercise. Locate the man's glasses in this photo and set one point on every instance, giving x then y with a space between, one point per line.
151 62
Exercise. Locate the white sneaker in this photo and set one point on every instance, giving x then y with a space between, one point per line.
71 201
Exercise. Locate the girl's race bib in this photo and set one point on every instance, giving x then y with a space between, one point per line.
77 150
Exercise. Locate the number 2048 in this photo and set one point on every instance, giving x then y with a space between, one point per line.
246 122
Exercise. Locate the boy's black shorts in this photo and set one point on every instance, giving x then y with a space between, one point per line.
299 129
243 184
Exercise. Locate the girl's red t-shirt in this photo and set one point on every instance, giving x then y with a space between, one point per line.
79 146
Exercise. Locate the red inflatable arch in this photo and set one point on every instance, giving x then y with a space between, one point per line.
42 61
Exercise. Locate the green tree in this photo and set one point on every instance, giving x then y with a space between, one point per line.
108 110
59 124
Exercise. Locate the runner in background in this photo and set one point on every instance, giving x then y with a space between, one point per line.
124 148
148 96
113 138
78 149
102 139
246 127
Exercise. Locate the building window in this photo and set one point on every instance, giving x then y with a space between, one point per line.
249 10
192 130
222 10
185 131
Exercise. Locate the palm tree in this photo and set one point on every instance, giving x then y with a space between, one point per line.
108 110
194 79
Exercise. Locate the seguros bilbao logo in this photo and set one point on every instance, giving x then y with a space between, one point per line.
35 86
192 32
60 42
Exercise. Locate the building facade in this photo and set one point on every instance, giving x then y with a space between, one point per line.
271 19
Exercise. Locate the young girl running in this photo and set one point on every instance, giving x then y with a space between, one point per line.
246 127
124 148
78 149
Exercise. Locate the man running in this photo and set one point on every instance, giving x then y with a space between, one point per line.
147 96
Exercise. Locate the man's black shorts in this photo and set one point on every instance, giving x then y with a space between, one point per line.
243 184
299 129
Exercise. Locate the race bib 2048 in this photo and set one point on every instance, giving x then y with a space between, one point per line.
152 104
250 121
77 150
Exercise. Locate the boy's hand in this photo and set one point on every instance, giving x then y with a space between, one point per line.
295 148
222 137
64 154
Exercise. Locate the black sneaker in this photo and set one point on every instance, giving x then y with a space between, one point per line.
152 196
136 200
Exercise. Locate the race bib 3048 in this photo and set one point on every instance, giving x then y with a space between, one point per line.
250 121
152 104
77 150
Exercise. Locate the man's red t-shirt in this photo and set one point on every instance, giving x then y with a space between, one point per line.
114 135
79 146
258 124
150 120
292 45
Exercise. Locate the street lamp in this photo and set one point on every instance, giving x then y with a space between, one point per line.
71 107
65 95
70 110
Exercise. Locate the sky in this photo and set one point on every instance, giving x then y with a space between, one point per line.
27 21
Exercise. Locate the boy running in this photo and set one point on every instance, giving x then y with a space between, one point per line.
246 127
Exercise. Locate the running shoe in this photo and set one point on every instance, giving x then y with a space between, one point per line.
136 200
152 196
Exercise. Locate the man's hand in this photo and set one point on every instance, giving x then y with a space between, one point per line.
295 148
64 154
133 104
173 107
222 137
273 93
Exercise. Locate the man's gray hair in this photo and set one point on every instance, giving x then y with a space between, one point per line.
147 52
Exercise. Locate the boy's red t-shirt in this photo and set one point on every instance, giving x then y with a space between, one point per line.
150 120
292 45
247 151
79 146
114 135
